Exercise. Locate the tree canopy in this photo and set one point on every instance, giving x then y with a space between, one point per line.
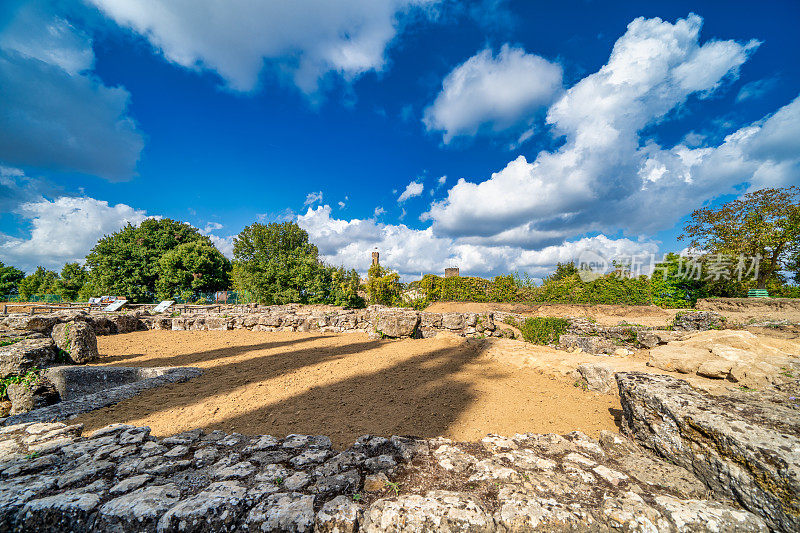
195 266
276 264
72 279
763 223
9 279
42 281
126 263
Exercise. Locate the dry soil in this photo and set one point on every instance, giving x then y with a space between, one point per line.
345 386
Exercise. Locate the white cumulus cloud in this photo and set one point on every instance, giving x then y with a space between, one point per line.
413 251
493 92
306 39
412 189
64 229
604 177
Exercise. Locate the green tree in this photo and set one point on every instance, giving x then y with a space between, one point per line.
42 281
671 287
383 286
763 223
192 266
276 264
126 263
794 267
9 279
73 278
563 271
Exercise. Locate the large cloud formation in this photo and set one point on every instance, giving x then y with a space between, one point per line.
605 177
64 229
307 39
56 114
413 252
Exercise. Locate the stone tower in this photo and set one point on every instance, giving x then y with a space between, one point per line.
451 272
375 258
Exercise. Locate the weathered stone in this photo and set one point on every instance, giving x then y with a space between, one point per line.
382 463
290 512
26 397
747 450
598 376
310 457
218 508
521 512
375 482
294 442
588 344
453 321
436 511
346 482
695 515
71 511
679 358
397 323
78 340
698 321
16 359
138 510
38 323
126 323
129 484
340 515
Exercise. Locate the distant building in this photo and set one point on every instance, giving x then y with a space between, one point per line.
451 272
375 258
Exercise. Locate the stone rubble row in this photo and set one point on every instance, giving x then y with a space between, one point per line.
726 469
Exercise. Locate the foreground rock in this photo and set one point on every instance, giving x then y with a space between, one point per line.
77 339
18 358
740 446
29 395
122 479
734 355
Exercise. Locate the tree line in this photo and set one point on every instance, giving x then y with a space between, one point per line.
276 264
165 259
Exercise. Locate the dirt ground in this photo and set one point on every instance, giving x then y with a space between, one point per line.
348 385
746 310
736 310
607 315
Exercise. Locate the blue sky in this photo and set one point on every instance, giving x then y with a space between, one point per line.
496 136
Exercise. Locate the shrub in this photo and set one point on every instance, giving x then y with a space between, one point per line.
541 330
383 286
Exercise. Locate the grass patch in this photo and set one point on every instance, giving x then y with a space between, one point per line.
9 342
29 377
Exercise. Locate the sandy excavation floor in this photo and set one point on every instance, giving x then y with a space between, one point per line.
607 315
345 386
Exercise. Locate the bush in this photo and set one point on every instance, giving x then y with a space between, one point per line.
541 330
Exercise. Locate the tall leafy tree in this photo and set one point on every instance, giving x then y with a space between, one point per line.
126 263
73 278
763 223
192 266
276 264
9 279
42 281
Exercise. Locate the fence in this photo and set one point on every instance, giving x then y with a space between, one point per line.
221 297
34 298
